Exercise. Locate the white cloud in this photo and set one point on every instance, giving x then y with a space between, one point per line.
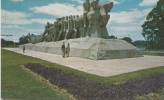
14 23
128 16
127 23
14 17
101 1
126 28
17 0
43 21
148 3
79 1
59 10
18 32
132 30
115 1
11 27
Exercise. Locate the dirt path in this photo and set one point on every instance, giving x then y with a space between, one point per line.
84 89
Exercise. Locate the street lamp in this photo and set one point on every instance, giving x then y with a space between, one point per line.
147 44
154 36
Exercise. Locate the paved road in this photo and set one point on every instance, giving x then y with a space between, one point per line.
98 67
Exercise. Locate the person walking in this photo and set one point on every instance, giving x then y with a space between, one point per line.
23 48
68 50
63 50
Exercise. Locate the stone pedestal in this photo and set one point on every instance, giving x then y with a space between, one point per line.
90 48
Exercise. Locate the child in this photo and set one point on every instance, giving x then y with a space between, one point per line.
68 50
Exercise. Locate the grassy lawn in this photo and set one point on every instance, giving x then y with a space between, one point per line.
154 53
19 84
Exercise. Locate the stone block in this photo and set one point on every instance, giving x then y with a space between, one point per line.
90 48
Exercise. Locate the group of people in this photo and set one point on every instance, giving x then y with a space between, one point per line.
65 50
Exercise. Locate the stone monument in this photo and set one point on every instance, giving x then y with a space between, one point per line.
87 35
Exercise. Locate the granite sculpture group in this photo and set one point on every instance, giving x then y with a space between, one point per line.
87 35
91 23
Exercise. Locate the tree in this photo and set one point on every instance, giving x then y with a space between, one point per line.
112 37
127 39
153 27
5 43
23 39
139 43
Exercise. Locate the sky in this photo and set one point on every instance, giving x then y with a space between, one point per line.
20 17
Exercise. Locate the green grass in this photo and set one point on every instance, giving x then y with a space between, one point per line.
152 96
13 77
153 53
17 83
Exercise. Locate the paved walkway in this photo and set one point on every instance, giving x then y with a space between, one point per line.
98 67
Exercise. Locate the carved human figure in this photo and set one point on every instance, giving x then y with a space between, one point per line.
61 32
50 36
104 10
57 28
69 34
46 32
66 26
76 27
86 7
80 22
94 18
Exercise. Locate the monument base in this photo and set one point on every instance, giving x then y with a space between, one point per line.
90 48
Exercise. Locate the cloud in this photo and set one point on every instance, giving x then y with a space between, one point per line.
17 0
127 23
43 20
79 1
101 1
116 2
18 31
14 17
126 28
11 27
59 10
130 16
148 3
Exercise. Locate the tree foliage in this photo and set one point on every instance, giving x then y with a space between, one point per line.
23 40
127 39
153 27
5 43
112 37
139 43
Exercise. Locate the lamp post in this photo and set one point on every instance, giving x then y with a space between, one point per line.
147 44
154 36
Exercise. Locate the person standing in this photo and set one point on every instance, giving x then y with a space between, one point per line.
63 49
23 48
68 50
